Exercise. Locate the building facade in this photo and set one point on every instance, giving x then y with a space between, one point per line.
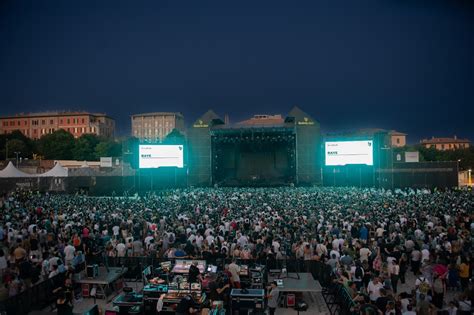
397 139
392 138
443 144
154 127
36 125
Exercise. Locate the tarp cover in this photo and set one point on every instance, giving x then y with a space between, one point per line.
11 171
57 171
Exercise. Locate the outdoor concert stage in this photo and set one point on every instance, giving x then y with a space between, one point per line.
265 150
263 156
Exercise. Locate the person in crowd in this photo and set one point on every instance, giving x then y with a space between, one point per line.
194 274
63 304
373 289
343 227
272 296
186 306
234 270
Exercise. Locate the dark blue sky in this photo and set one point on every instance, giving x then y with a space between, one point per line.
396 64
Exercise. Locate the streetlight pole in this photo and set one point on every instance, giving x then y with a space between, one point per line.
6 149
17 153
391 162
457 172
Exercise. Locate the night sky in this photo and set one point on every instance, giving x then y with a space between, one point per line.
395 64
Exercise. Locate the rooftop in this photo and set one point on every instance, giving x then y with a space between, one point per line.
52 113
434 140
262 120
159 114
369 132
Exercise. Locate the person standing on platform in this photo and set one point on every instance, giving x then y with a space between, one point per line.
234 270
194 274
186 306
272 297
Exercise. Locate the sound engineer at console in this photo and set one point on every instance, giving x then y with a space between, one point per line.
194 274
186 306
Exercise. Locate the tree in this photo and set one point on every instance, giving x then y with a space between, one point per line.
108 148
84 147
130 144
17 145
17 142
464 156
58 145
174 137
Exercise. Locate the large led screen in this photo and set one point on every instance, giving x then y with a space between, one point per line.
155 156
349 152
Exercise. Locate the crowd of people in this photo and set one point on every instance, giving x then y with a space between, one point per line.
373 240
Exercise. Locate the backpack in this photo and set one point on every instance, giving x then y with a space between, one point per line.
358 272
424 286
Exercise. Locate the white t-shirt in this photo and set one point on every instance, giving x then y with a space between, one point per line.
199 240
335 252
374 290
379 232
116 230
69 252
364 253
210 239
148 239
234 270
425 255
354 278
121 249
53 262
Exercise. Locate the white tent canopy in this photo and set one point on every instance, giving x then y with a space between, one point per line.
57 171
11 171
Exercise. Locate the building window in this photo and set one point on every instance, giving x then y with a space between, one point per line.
83 121
43 122
442 147
25 123
51 121
398 140
68 121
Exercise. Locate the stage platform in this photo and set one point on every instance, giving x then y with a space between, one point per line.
291 284
110 281
305 283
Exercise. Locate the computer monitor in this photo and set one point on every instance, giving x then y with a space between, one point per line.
212 269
